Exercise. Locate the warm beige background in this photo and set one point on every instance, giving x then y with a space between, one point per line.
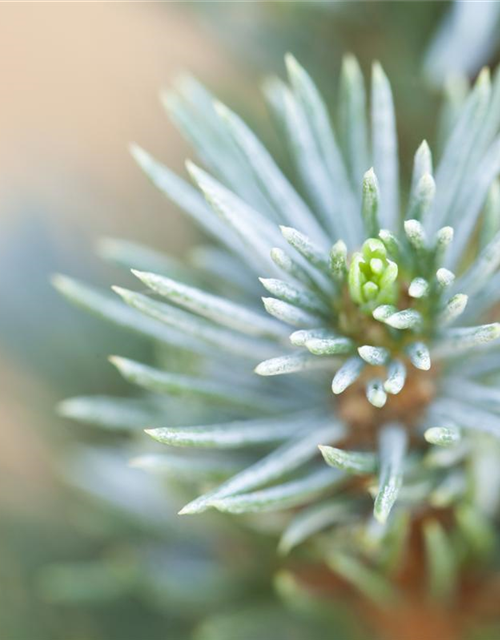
77 83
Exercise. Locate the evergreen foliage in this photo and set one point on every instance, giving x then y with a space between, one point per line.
360 393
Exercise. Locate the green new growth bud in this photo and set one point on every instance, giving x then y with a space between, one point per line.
370 291
373 248
372 276
356 279
388 277
376 265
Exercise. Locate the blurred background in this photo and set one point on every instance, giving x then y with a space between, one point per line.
79 83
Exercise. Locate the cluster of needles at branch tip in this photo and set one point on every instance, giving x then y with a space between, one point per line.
389 307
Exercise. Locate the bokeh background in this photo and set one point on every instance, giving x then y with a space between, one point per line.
79 83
